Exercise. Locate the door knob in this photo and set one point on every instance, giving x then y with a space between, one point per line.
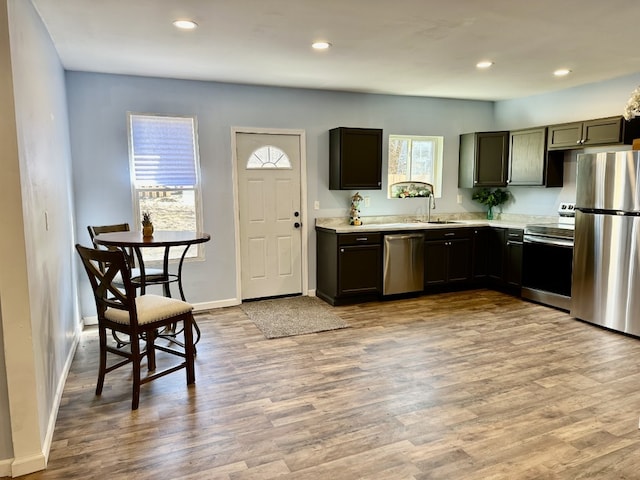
297 225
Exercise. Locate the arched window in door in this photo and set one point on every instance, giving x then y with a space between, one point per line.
268 156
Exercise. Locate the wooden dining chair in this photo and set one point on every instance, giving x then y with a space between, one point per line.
141 318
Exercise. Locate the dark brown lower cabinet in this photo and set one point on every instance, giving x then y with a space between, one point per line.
480 253
447 257
359 269
495 256
504 269
513 253
349 266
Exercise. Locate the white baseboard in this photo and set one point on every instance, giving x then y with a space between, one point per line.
311 292
30 464
58 398
204 306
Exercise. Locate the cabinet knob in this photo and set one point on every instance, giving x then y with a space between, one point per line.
342 250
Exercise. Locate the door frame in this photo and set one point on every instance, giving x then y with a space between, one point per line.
304 252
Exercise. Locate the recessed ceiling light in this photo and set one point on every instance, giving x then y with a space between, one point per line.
320 45
484 64
561 72
185 24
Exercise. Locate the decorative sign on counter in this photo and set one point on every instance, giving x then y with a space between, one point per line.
411 189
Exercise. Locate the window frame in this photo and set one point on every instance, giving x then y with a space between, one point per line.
438 161
176 252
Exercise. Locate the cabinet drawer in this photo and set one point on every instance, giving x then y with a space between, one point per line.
359 239
448 233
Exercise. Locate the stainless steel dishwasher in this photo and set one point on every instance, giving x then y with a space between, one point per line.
403 270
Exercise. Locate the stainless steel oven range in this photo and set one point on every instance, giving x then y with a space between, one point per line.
547 260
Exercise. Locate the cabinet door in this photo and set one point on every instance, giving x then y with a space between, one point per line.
492 150
355 159
359 269
527 151
513 258
480 253
495 267
567 135
603 131
435 262
513 272
459 260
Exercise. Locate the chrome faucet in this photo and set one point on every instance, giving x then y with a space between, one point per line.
431 201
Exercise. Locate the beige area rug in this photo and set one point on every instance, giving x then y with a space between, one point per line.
285 317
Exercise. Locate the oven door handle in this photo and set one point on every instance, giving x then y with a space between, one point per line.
557 242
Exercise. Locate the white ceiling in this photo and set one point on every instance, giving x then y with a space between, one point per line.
401 47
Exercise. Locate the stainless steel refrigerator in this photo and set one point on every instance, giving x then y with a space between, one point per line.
606 256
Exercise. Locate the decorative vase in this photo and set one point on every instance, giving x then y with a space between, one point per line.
147 230
490 213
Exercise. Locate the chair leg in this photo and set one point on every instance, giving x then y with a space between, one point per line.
151 349
102 368
189 348
136 358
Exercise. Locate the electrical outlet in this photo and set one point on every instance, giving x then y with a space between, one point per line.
459 199
367 201
316 205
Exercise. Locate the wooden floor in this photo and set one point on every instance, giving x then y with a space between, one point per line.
472 385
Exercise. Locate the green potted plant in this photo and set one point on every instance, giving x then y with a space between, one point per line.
491 199
147 225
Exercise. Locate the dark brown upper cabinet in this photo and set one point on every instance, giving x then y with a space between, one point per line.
527 154
355 159
484 159
601 131
529 161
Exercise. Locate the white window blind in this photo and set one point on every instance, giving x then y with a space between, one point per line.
164 151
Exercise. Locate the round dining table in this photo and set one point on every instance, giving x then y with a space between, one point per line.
160 239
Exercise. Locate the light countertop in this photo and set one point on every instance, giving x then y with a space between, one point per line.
405 223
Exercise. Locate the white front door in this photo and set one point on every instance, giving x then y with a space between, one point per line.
270 218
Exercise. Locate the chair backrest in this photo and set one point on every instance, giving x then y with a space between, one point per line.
118 227
102 266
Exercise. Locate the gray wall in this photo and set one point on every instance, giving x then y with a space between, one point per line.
97 110
40 317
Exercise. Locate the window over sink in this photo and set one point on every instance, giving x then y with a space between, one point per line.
415 158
